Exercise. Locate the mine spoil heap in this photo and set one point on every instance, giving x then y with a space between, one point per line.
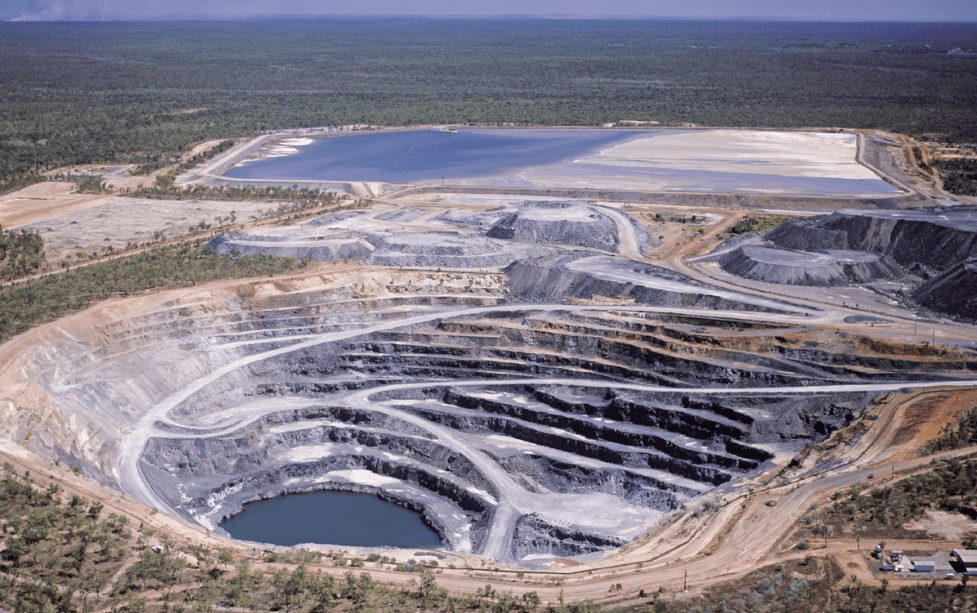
930 252
532 400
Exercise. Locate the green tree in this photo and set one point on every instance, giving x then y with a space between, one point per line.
428 587
76 558
321 592
290 588
225 557
16 549
43 597
95 510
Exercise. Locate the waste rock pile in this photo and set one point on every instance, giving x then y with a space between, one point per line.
929 251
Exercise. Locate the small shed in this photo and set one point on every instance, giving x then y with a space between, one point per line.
924 565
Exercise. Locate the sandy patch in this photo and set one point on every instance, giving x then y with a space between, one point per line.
43 201
277 152
278 148
951 526
86 224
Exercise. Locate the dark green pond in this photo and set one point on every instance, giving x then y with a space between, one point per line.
331 518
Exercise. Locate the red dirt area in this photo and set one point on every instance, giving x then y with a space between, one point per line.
925 418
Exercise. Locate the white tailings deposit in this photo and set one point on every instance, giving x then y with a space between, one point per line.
792 154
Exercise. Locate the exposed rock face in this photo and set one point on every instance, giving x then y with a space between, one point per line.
518 429
828 267
533 536
854 247
936 238
954 291
588 276
453 239
449 250
559 406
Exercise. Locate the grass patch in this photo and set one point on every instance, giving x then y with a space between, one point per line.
757 224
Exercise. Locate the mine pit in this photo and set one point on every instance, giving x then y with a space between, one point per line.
516 369
518 430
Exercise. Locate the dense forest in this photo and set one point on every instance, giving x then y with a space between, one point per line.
959 176
91 92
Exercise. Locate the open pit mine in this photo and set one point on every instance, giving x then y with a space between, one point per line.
539 374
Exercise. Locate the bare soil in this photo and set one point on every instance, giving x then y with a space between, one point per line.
950 526
925 419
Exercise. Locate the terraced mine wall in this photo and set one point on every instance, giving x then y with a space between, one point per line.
485 239
558 227
554 278
953 292
517 429
825 268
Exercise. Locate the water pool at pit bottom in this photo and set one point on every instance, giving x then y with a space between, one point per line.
331 518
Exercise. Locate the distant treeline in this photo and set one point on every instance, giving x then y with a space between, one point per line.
94 92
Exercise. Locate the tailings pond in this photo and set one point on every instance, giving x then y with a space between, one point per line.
331 518
417 156
716 161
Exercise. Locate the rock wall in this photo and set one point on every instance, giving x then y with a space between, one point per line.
938 238
953 292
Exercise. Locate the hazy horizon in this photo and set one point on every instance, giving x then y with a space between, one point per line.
747 10
290 17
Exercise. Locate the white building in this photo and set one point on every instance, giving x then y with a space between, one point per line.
968 559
